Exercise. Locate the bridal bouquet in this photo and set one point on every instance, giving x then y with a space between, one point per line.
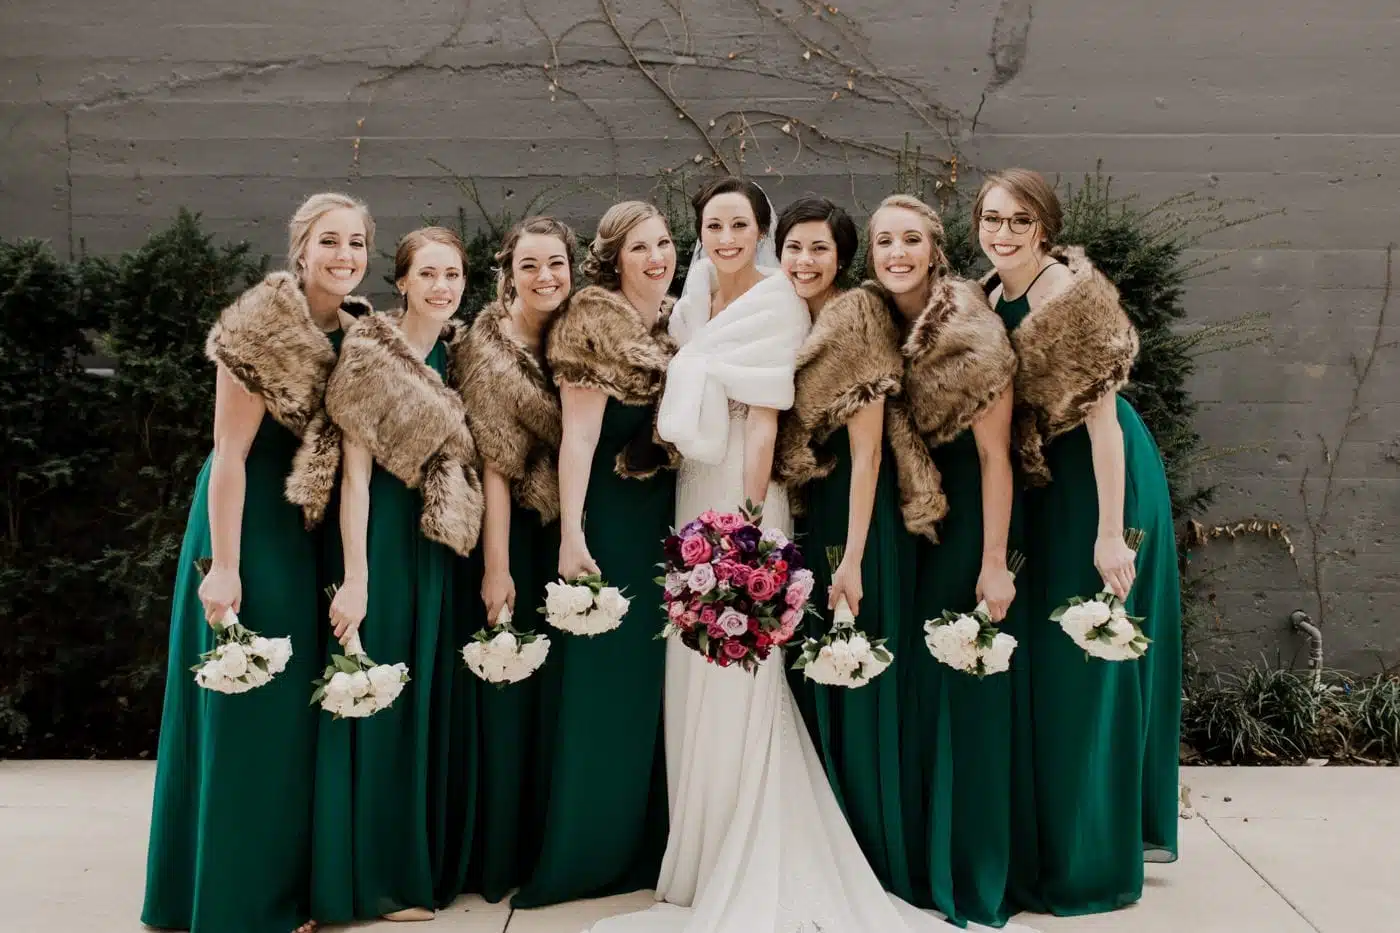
241 659
584 606
733 591
353 686
844 656
1101 625
972 642
507 656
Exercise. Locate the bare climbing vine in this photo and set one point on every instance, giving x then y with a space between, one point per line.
1317 519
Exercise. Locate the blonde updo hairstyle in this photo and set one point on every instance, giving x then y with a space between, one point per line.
1031 189
415 240
600 265
505 257
931 220
312 210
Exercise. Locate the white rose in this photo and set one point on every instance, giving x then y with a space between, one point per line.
471 653
967 628
533 654
383 679
774 537
860 647
675 583
281 653
1121 630
842 659
338 687
734 622
949 646
233 661
580 598
558 600
612 603
359 684
997 657
505 642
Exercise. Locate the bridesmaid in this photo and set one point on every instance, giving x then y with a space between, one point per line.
951 433
230 842
1099 754
385 843
830 455
513 411
605 809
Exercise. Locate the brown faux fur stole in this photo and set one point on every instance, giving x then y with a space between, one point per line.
512 408
269 343
957 363
1074 349
849 360
600 342
387 399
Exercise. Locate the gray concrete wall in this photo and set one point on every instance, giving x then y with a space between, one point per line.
115 114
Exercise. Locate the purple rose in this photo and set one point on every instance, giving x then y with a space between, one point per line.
733 623
746 539
691 528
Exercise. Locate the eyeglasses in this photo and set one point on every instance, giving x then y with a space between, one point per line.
1019 223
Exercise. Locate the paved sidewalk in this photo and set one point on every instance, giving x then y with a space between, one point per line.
1272 850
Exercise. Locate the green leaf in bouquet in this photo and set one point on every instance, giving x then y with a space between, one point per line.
1059 614
881 654
752 511
344 664
260 662
703 640
317 696
801 662
661 580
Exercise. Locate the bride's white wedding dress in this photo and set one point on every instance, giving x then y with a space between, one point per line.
758 843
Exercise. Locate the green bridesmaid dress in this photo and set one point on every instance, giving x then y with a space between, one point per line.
509 820
857 731
230 838
388 834
956 728
603 797
1097 740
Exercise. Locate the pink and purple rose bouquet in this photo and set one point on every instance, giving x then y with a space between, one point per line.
733 591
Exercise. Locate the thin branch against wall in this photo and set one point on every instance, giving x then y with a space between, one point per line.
1318 521
666 92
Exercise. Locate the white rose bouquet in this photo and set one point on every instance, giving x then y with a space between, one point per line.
502 654
241 659
585 605
1101 625
353 686
971 642
845 656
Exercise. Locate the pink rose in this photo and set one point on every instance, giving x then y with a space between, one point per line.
735 650
708 615
695 550
723 569
675 610
714 631
784 634
689 619
708 517
733 622
702 579
728 523
799 589
740 573
762 585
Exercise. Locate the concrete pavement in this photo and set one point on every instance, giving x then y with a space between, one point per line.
1271 850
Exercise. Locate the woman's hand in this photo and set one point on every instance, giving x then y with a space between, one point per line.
348 609
1116 563
846 582
574 559
997 588
497 590
220 591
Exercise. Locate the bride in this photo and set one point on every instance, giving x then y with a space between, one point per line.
757 841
